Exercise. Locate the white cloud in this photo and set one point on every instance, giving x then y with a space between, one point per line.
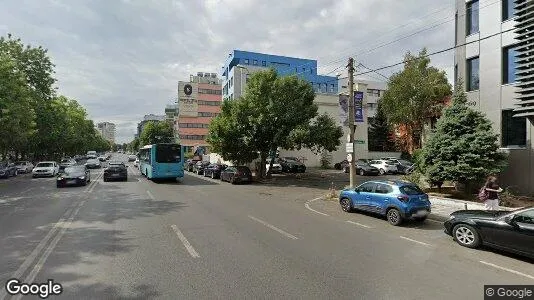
122 59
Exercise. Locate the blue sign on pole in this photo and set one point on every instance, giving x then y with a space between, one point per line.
358 107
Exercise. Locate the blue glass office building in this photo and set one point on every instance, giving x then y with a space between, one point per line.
234 78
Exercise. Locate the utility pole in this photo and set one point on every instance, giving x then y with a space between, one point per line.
352 128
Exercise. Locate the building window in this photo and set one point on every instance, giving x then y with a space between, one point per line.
209 103
455 73
246 61
373 92
508 9
513 130
193 125
264 63
192 137
209 91
456 28
255 62
472 17
472 74
508 64
210 114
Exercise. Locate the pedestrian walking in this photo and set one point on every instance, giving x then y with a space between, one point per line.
489 193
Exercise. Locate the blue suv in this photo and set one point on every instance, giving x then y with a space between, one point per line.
396 199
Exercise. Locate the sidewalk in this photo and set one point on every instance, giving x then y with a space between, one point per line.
443 207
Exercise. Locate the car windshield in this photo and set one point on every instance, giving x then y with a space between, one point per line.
44 165
405 162
411 190
74 170
65 160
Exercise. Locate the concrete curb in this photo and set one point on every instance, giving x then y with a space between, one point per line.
462 204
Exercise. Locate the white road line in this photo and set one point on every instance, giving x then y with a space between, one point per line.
40 263
307 205
26 190
274 228
359 224
508 270
150 195
95 183
29 260
184 241
415 241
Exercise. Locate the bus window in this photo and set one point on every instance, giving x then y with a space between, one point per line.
168 153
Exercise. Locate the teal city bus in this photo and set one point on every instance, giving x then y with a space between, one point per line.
162 161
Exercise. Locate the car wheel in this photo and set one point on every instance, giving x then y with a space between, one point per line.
466 236
394 217
84 183
346 205
337 166
105 179
232 181
362 172
382 172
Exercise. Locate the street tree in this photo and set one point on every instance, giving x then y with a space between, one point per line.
414 94
274 112
157 132
380 132
463 148
16 111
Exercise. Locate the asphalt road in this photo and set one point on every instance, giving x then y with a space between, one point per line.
200 239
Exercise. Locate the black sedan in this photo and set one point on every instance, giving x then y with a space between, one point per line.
115 171
292 166
505 230
237 174
200 166
214 170
363 169
75 175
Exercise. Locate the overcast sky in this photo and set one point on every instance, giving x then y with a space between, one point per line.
122 59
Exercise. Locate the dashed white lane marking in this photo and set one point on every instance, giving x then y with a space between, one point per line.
506 269
359 224
274 228
415 241
184 241
307 205
150 195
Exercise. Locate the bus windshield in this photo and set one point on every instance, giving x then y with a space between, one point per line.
168 153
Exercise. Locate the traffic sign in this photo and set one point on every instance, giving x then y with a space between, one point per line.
349 147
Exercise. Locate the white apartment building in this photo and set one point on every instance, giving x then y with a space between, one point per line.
107 130
493 59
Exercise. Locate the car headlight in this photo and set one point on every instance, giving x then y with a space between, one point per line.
82 177
60 178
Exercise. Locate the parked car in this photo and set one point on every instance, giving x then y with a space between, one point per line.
45 168
93 163
236 174
74 175
66 162
190 164
132 157
116 170
24 166
363 169
509 231
102 158
214 170
199 167
292 166
397 200
384 166
8 169
403 166
277 167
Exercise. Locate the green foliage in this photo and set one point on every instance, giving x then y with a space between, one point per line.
36 122
157 132
414 94
274 112
134 145
414 177
326 160
380 132
463 147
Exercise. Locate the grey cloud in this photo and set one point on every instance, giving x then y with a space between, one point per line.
122 59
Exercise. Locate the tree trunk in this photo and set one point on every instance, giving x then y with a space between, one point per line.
271 162
262 165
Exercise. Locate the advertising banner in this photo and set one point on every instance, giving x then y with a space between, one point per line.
358 107
187 99
343 110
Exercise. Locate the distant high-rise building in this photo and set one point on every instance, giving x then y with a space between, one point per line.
199 101
107 130
146 119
